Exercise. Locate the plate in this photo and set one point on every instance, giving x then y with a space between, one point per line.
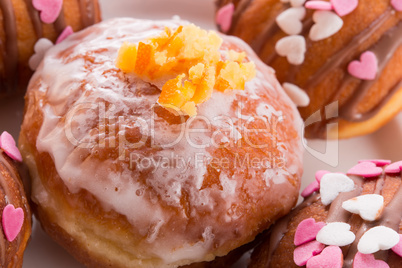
331 155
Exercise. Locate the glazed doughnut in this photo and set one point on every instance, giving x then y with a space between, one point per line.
370 204
113 180
14 206
24 22
347 56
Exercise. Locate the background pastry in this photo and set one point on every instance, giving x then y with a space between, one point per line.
15 212
108 177
342 52
24 22
354 221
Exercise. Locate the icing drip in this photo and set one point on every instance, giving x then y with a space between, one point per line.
10 52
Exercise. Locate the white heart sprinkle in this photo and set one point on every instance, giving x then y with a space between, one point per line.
290 20
296 94
336 234
326 24
368 206
332 184
297 3
293 48
377 238
40 48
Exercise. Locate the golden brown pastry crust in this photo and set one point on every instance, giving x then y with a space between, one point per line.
92 228
363 106
21 27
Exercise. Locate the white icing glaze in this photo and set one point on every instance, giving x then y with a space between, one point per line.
73 119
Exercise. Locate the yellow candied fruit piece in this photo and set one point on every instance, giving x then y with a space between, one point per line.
199 44
165 38
236 56
196 73
248 71
127 57
234 75
189 108
192 56
205 86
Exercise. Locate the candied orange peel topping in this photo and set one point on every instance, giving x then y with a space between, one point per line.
189 59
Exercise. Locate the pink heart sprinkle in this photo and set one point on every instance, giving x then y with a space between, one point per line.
330 257
307 230
398 247
8 145
50 9
12 221
66 33
319 174
344 7
224 17
394 167
368 261
378 162
305 252
397 4
365 169
318 5
366 68
311 188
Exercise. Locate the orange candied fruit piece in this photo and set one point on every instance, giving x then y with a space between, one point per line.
205 85
144 56
192 57
174 94
222 85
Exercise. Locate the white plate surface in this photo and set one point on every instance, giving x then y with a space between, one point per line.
385 143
